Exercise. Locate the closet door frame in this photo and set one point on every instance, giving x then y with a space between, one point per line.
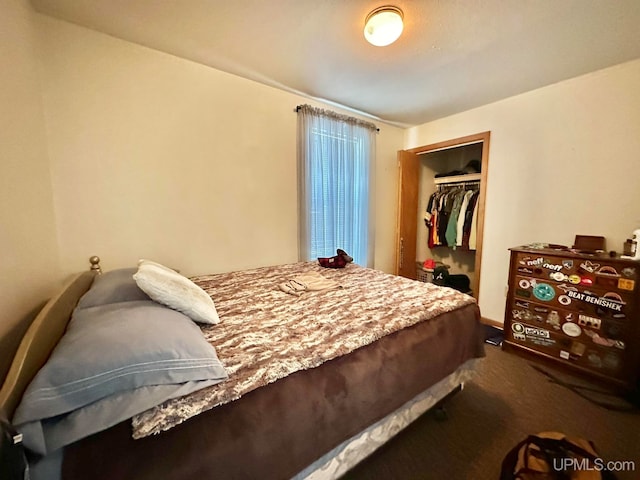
407 213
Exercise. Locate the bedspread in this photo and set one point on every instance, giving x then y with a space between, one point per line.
266 334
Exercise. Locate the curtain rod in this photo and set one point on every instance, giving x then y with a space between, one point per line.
297 109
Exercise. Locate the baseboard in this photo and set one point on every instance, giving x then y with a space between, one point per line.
491 323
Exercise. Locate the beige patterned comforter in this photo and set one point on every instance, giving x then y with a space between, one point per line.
266 334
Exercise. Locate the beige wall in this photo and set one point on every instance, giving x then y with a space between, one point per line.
389 142
151 155
29 259
155 156
563 160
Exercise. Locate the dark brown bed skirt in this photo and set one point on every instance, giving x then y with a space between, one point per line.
277 430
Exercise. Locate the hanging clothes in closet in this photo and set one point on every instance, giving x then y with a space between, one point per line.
451 216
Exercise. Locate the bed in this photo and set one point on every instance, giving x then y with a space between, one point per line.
316 381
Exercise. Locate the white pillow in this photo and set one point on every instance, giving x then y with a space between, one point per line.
144 261
169 288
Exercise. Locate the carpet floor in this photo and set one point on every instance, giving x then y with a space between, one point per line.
507 400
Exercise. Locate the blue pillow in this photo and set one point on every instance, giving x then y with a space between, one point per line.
113 287
110 351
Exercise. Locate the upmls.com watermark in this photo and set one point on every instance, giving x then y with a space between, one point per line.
598 465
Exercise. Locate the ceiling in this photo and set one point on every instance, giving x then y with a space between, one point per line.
452 56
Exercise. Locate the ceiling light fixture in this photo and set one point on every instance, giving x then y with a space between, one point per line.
383 26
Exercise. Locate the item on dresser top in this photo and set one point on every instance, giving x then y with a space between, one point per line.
589 244
631 245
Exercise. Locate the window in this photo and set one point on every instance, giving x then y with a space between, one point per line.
336 157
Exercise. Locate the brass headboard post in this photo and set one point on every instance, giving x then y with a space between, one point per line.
95 264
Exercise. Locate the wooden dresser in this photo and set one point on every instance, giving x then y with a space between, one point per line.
576 310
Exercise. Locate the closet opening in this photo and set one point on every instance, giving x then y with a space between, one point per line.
433 180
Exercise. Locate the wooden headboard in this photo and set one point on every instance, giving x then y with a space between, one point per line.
41 338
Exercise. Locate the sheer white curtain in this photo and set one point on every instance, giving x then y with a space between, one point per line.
336 158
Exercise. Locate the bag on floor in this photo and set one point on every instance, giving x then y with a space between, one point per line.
553 456
460 282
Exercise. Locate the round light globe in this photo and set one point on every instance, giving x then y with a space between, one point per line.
383 26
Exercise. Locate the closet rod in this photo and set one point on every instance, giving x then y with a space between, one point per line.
465 185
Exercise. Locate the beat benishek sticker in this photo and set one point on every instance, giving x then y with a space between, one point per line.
611 301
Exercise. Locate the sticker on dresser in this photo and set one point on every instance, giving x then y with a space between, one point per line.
610 300
536 335
591 322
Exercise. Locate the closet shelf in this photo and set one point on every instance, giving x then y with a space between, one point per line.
469 177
